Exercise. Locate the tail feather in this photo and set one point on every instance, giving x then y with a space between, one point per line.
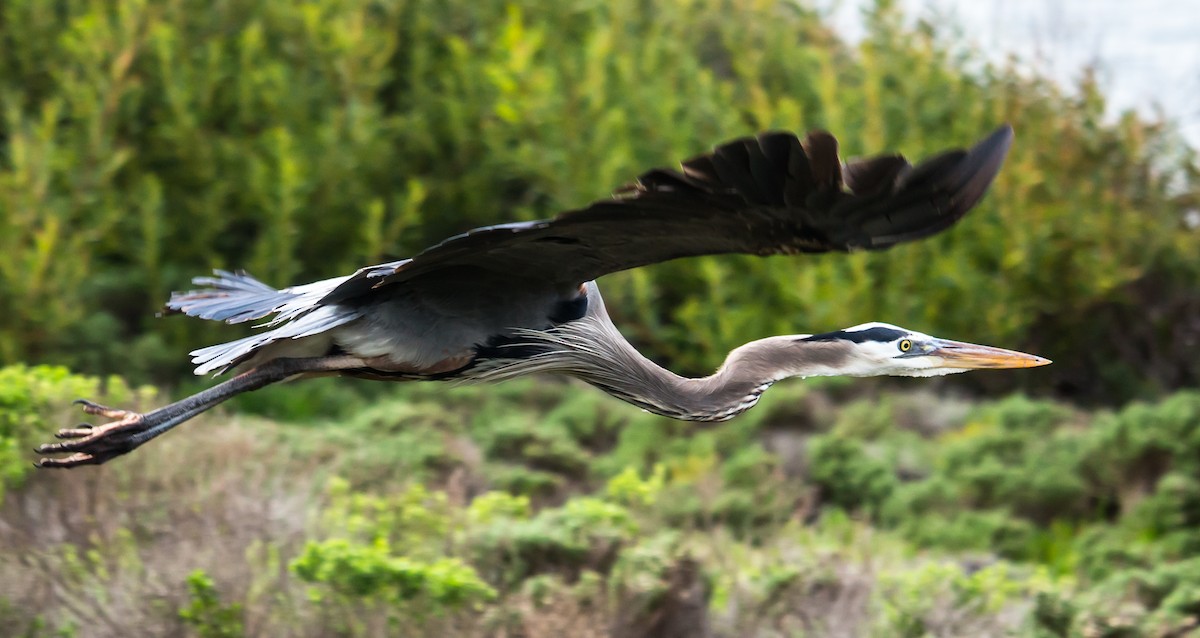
236 297
232 297
223 356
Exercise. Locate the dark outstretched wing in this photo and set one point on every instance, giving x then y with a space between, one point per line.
766 195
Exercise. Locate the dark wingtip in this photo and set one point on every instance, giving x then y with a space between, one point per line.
981 166
992 149
938 192
1002 137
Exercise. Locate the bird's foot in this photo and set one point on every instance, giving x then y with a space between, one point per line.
93 445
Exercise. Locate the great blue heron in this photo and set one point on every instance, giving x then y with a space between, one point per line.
509 300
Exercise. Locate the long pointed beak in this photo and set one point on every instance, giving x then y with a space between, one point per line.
957 354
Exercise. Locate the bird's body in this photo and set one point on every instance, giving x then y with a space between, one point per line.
517 299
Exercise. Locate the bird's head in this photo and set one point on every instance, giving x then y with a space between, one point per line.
877 349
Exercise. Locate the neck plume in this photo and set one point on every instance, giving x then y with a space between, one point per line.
731 390
591 349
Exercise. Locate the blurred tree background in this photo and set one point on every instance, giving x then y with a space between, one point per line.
144 142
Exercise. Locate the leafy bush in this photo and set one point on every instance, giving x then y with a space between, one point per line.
416 518
372 571
1159 601
206 614
915 602
1014 454
1131 450
387 555
586 533
629 489
995 531
542 448
847 476
1033 516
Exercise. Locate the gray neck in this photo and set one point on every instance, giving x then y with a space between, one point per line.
593 350
731 390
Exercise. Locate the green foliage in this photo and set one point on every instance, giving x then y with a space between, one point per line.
206 614
389 553
543 447
584 533
149 143
630 489
372 571
522 480
911 515
911 599
1013 454
989 530
1137 445
1160 601
416 519
1111 498
847 475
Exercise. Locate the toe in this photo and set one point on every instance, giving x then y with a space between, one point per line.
74 460
83 429
53 448
92 407
93 441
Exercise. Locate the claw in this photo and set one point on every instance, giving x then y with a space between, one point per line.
92 407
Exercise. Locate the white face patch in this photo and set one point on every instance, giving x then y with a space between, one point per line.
883 349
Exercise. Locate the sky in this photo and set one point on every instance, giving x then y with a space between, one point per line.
1147 51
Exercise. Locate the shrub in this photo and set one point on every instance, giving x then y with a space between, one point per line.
387 555
585 533
627 488
1163 600
847 476
206 614
985 531
1014 454
946 599
415 519
373 572
1128 452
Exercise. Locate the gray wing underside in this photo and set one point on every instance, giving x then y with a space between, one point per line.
772 194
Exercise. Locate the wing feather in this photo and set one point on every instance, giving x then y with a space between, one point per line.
766 195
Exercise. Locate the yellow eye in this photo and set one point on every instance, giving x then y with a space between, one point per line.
905 345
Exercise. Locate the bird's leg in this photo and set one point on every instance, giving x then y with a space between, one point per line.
92 445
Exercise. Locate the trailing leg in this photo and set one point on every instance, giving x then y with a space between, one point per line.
93 445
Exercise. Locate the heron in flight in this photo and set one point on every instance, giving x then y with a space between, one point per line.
505 301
